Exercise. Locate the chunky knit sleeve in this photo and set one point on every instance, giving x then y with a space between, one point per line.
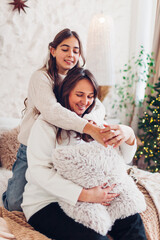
128 151
41 172
41 94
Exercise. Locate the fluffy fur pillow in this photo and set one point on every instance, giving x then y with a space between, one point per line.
8 147
89 165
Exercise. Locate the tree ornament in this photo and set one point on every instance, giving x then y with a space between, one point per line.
19 4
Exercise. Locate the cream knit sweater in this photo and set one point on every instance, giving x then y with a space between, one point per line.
42 99
44 184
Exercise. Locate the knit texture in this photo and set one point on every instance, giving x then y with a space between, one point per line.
90 165
150 217
19 227
40 95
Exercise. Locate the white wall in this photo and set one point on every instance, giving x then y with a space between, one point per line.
24 40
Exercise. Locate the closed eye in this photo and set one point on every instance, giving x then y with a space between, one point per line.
76 51
79 95
90 97
64 50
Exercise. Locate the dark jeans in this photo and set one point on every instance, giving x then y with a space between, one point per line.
12 198
54 223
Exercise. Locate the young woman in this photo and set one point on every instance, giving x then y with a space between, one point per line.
45 187
64 54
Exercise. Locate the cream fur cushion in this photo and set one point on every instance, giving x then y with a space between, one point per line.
8 147
90 165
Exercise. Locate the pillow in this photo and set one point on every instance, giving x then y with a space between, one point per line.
8 147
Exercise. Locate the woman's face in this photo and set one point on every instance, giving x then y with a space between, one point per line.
81 96
66 54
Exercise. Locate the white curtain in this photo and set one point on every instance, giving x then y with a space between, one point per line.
141 34
156 48
156 42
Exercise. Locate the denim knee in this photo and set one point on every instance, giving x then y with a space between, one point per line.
12 198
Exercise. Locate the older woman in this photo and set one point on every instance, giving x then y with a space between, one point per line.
45 187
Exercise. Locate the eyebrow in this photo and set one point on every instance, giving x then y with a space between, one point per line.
65 45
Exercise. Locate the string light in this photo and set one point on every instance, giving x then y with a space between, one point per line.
149 150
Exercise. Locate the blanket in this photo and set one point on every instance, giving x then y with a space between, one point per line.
18 227
90 165
150 216
150 181
149 185
4 231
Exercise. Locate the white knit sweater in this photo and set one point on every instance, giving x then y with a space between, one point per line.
41 97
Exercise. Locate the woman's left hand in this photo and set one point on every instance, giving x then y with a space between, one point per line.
115 135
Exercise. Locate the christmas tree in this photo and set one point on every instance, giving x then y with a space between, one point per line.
149 125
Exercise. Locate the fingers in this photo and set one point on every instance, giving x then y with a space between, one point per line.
106 204
109 196
109 128
99 194
112 196
116 141
113 135
108 188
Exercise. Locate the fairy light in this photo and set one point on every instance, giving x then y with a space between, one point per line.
150 137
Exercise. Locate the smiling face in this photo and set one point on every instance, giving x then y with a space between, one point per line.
81 96
67 54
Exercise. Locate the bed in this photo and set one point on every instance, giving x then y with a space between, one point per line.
13 225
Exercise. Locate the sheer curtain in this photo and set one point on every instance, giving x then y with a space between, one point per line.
141 34
156 43
155 49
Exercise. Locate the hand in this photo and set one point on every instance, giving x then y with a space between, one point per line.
117 134
99 194
94 131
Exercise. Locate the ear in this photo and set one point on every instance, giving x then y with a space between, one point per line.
53 51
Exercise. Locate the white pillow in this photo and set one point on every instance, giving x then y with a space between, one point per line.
8 123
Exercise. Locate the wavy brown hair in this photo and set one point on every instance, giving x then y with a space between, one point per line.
62 92
50 66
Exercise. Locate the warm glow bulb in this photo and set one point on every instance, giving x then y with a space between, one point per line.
101 19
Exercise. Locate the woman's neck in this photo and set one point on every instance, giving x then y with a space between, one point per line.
62 75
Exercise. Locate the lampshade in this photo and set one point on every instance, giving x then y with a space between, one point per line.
100 49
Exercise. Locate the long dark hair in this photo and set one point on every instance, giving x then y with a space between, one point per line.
62 92
50 65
